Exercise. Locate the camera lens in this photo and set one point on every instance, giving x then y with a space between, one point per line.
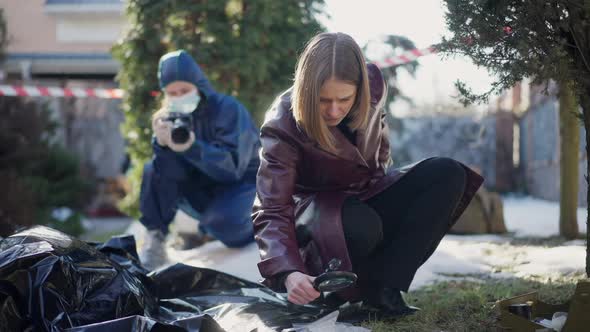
181 128
180 135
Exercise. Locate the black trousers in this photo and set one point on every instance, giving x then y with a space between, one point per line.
392 234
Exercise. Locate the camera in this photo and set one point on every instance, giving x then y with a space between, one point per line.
182 125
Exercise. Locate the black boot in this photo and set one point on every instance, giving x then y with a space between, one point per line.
391 303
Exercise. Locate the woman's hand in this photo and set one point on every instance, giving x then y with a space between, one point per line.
300 288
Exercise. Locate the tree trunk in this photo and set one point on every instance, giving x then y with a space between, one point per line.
585 102
569 144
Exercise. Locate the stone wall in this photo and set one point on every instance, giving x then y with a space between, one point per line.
87 127
91 130
539 151
466 138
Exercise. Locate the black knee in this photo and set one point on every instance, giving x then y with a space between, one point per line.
451 172
363 229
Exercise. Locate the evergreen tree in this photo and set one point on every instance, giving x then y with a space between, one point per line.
39 175
544 40
36 176
247 49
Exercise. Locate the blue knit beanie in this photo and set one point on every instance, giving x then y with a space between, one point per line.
177 66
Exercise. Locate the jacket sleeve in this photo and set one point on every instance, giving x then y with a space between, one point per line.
226 158
273 216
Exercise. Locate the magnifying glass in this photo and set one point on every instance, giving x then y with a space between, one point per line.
332 280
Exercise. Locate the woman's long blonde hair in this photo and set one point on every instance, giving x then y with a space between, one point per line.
326 56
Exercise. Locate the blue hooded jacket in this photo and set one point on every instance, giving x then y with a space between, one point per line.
226 139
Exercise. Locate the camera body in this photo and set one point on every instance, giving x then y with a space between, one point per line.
182 125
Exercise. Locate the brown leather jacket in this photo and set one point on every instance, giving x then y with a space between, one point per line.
300 183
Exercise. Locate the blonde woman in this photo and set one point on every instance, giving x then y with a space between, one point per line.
324 189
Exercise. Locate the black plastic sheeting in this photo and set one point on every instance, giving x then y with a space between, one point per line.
50 281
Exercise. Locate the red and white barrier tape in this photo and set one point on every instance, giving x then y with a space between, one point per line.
42 91
405 57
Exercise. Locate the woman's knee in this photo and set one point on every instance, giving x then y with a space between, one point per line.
449 170
363 228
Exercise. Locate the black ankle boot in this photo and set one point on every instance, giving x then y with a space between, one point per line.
391 303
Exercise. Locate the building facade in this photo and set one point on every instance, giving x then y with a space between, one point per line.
62 37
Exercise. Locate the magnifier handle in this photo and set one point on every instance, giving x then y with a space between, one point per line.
334 265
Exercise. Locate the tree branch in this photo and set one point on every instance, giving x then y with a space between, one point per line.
579 48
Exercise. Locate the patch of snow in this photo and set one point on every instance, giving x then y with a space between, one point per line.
529 216
214 255
458 256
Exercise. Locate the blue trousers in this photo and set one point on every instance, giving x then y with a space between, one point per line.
223 210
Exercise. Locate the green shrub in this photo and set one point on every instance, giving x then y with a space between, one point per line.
247 49
39 176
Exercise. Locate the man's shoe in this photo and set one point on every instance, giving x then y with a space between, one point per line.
153 253
391 303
